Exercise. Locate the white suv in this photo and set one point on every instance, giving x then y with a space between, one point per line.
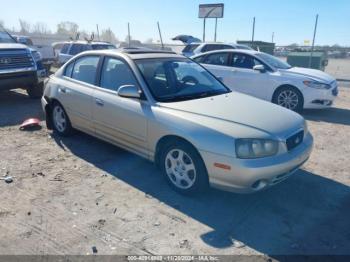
70 49
267 77
198 48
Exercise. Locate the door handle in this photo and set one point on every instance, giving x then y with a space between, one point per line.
62 90
99 102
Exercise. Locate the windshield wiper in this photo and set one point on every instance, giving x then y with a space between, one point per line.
177 98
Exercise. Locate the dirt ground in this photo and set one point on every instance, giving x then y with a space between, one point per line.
72 194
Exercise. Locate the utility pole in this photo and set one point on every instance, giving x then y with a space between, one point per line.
216 27
313 42
160 36
273 36
204 29
98 32
129 37
253 30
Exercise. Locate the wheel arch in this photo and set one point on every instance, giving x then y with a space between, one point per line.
287 86
167 139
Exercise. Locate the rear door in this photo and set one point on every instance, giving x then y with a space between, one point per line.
76 89
119 119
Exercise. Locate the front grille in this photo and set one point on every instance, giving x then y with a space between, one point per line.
295 140
15 59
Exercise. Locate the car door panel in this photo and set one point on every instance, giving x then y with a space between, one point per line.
118 119
76 98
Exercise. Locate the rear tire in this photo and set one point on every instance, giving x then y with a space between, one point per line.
60 120
289 97
183 167
35 91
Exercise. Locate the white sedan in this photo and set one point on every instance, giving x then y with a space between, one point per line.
269 78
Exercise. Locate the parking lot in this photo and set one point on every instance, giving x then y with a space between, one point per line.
72 194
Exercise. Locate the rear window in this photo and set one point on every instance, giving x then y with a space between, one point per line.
190 48
78 48
65 48
212 47
102 47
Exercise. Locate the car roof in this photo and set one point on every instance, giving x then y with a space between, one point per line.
136 53
87 42
243 51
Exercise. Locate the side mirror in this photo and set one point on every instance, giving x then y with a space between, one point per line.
129 91
259 68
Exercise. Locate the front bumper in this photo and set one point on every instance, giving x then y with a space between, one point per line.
320 98
18 79
251 175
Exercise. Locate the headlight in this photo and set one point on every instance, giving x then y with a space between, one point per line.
36 55
315 84
256 148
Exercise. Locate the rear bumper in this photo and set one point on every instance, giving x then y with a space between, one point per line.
252 175
14 80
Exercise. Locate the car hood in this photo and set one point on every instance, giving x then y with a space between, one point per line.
238 115
309 73
12 46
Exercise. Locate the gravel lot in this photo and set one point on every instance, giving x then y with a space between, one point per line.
71 194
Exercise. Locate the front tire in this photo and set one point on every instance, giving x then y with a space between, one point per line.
35 91
183 168
289 97
60 120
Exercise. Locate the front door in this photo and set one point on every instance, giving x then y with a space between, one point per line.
121 120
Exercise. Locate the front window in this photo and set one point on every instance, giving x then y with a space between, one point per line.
178 79
273 61
244 61
6 38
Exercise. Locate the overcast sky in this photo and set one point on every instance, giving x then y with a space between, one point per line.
292 21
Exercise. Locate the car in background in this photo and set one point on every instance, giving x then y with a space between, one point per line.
72 48
20 66
266 77
198 48
172 111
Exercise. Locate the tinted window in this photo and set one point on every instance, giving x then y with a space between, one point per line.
78 48
212 47
227 47
116 73
69 70
85 69
102 47
64 49
5 37
216 59
244 61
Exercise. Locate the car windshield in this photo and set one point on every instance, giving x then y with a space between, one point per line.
273 61
5 37
178 79
102 47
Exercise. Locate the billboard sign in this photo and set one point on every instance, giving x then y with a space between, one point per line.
211 11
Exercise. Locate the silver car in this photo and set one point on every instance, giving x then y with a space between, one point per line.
170 110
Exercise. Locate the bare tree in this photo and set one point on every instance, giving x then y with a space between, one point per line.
67 28
25 26
41 28
108 36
